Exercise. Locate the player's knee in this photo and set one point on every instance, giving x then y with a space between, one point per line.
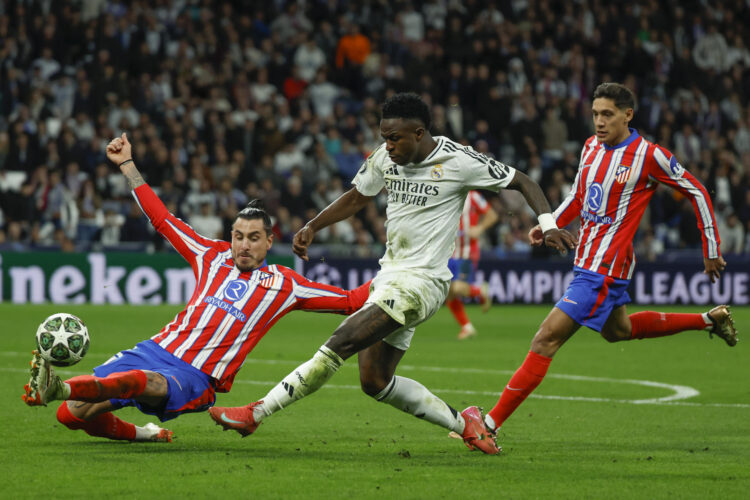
545 342
67 418
615 335
372 385
156 384
609 337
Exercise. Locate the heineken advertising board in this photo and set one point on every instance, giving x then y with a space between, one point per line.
98 278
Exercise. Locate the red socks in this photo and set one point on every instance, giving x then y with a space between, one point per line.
475 291
457 308
521 384
120 385
649 324
105 425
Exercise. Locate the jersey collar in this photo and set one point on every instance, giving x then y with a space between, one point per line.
438 145
633 136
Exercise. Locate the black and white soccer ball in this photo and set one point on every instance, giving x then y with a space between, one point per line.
62 339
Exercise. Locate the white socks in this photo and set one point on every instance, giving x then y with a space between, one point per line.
412 397
489 422
149 432
405 394
304 380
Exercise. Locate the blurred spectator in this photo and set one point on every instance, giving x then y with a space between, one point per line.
710 51
293 197
322 95
732 235
286 159
349 161
113 222
351 52
135 226
309 58
555 135
650 247
319 166
206 222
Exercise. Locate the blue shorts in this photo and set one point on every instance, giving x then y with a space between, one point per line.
188 388
462 269
591 298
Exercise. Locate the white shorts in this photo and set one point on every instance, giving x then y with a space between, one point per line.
409 298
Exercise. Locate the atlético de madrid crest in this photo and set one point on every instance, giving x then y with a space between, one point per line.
622 173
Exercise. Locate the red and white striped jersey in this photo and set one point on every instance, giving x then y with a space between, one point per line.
230 311
610 194
474 207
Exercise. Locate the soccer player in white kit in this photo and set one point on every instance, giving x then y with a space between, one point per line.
427 180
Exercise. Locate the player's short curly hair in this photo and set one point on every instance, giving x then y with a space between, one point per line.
256 210
623 97
407 105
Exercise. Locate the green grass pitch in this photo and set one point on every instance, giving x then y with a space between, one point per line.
663 418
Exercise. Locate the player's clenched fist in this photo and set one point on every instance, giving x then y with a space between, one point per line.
559 239
119 149
301 241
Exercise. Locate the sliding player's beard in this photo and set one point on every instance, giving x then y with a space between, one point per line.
246 262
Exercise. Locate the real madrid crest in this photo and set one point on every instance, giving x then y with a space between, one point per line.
437 172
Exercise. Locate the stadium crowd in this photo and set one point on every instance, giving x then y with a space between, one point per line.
225 101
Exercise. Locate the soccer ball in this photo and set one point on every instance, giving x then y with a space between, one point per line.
62 339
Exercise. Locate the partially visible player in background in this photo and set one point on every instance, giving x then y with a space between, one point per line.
618 173
477 217
237 299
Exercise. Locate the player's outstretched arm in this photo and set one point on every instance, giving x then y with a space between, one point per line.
559 239
120 152
342 208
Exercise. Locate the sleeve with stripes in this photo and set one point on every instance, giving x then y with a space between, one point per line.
666 169
179 234
314 296
570 207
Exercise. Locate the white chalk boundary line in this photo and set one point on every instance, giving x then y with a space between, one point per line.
679 392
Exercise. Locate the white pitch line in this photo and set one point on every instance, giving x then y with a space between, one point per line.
680 392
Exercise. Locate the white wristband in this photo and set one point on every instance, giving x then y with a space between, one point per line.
547 222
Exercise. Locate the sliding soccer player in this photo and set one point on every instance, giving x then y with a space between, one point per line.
237 299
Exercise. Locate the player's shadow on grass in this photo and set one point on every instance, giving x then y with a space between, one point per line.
360 452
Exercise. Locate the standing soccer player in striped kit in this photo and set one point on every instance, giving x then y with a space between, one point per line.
618 173
237 299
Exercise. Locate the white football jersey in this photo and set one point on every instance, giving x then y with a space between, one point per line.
425 201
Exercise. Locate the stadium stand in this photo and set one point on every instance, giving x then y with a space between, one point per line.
230 100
